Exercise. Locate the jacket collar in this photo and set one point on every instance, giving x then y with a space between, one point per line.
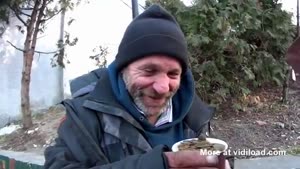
102 99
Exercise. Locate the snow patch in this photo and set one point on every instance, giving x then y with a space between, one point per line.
9 129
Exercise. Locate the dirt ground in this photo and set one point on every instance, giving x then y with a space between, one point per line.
267 124
263 123
37 138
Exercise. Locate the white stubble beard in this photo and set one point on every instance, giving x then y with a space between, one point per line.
136 96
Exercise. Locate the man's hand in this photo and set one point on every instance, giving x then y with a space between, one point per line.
193 160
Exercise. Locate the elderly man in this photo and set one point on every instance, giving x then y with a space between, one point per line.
141 105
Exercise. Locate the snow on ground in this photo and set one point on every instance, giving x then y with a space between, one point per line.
9 129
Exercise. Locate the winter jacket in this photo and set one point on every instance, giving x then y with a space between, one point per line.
98 133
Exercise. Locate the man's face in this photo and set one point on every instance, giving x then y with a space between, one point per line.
152 81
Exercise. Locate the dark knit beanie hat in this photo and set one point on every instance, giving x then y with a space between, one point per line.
155 31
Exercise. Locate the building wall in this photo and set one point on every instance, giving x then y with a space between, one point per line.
45 85
96 23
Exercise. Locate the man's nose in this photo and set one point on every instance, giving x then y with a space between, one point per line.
162 84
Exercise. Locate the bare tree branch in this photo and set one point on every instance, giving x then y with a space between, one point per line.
142 6
18 16
49 2
26 9
44 20
23 13
126 4
19 11
15 46
130 6
39 52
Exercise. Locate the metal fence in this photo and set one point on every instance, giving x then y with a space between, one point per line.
10 163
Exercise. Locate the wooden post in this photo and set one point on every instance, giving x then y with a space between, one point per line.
285 90
297 18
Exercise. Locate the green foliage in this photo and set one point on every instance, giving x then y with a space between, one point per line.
99 56
294 150
235 46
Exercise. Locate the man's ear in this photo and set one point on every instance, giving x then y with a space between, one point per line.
293 55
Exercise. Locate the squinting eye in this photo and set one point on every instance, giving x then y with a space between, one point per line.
149 70
174 75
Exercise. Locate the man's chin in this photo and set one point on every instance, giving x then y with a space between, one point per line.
154 111
150 109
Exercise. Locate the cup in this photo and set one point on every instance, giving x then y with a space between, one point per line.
218 146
